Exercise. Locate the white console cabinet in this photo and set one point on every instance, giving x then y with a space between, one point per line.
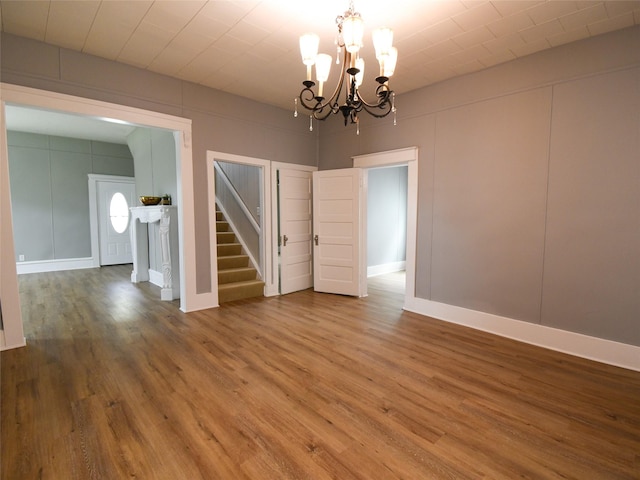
167 216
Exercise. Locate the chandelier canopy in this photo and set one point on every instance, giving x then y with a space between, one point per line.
350 103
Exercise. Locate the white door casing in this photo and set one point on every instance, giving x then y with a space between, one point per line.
338 223
403 156
268 272
114 242
296 251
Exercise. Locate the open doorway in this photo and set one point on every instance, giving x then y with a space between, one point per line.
408 158
254 175
387 225
12 335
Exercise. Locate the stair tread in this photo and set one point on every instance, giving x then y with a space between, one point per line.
236 269
244 283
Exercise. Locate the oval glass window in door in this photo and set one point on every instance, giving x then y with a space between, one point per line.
119 212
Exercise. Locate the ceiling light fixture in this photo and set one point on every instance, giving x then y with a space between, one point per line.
349 41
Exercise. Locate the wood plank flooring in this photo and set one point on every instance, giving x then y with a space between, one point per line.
115 384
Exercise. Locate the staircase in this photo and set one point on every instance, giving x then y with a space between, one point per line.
236 278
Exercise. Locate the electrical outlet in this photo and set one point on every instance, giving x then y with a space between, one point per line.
21 258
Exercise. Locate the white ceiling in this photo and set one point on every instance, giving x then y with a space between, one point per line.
250 47
25 119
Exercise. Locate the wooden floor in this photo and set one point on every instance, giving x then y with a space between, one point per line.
115 384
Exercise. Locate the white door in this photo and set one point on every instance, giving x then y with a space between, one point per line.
296 256
114 201
338 260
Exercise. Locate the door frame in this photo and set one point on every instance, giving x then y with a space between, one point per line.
409 157
93 210
190 298
275 214
265 217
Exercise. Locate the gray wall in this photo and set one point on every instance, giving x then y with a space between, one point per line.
386 215
528 183
529 186
154 158
220 122
50 193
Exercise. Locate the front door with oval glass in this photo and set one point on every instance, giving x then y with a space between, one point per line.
114 201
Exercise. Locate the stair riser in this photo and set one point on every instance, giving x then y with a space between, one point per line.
225 237
233 276
239 292
222 227
229 249
233 262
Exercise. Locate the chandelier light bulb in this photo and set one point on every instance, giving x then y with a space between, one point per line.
323 67
360 75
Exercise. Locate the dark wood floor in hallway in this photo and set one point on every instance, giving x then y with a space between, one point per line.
116 384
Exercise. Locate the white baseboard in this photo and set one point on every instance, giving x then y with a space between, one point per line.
3 345
54 265
271 290
374 270
199 301
155 278
598 349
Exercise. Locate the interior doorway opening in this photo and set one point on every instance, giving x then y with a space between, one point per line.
386 221
407 157
12 334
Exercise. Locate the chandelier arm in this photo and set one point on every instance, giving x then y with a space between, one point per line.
306 102
331 103
333 99
384 96
334 96
318 115
371 110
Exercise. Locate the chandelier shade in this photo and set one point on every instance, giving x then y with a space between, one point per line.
309 43
346 98
382 41
353 33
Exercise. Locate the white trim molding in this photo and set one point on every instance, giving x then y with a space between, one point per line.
56 265
592 348
12 334
384 268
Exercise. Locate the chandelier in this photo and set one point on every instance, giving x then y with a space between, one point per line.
349 103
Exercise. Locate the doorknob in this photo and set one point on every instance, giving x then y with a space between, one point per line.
316 239
284 241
